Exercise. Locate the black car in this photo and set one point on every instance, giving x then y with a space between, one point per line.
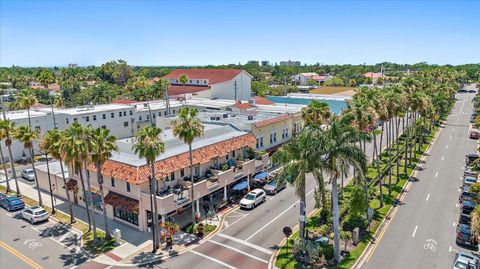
464 218
468 206
465 237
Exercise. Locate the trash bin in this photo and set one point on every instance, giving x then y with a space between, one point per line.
117 234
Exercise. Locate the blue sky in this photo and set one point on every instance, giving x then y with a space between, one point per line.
58 32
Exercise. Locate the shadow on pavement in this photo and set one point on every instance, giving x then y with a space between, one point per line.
73 258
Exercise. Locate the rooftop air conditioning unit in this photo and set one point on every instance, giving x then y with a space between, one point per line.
225 115
212 118
250 117
217 118
251 101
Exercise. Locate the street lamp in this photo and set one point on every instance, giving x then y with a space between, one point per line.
49 180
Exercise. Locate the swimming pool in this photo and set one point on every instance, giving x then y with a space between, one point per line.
336 106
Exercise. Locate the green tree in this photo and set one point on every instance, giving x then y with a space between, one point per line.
183 79
148 145
103 144
316 112
7 128
188 127
27 136
46 78
51 143
26 99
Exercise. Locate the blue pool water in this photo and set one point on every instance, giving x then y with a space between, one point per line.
335 105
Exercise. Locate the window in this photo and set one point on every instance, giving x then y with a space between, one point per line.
174 111
112 182
233 154
112 115
124 113
104 116
197 170
182 172
104 126
259 142
131 217
172 176
120 113
94 117
67 121
131 113
87 118
140 118
125 124
74 119
128 186
271 138
275 137
154 115
159 113
148 117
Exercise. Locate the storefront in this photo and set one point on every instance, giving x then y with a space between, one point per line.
124 208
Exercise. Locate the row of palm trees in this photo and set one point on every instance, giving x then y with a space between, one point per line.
333 146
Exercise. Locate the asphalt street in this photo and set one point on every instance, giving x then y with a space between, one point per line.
422 232
43 245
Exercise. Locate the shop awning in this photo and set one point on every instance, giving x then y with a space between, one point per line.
123 202
260 176
240 186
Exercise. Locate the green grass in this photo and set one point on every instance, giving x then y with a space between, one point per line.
101 246
286 261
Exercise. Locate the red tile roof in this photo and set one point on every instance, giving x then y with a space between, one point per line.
373 75
214 76
272 120
139 175
262 101
180 89
242 106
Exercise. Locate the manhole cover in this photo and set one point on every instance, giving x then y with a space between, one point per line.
45 258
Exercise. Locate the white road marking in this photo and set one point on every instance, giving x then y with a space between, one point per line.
436 174
225 223
457 205
453 224
447 146
8 214
239 219
414 231
428 196
239 251
63 237
450 137
213 259
450 249
279 215
264 250
443 157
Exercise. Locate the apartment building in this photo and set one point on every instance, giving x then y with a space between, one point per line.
221 158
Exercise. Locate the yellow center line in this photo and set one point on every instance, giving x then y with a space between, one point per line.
20 255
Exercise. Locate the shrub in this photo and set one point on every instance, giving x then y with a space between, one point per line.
328 252
353 221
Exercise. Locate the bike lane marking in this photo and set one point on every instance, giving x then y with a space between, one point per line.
24 258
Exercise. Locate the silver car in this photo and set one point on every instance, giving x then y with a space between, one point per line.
28 174
465 261
273 186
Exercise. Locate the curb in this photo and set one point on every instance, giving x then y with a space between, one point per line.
381 229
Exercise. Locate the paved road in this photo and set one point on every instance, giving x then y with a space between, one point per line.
43 245
430 210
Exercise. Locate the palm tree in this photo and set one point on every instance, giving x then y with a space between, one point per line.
316 113
7 127
103 146
74 151
335 148
183 79
4 166
476 221
26 99
27 136
148 145
187 127
51 143
85 135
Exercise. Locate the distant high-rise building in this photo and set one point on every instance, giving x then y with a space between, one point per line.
72 65
253 62
290 63
265 63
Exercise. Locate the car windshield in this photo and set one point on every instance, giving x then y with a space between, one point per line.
30 172
250 197
40 212
462 265
272 183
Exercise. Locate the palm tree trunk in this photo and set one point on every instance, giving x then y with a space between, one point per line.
302 209
380 183
100 185
381 142
152 196
70 206
90 204
85 200
12 166
156 230
40 202
374 150
5 169
407 140
192 182
389 139
29 120
398 148
336 239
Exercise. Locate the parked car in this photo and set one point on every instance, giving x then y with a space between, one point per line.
469 158
465 261
474 135
253 198
3 196
468 206
35 214
469 172
466 195
12 203
468 181
465 237
28 174
464 218
273 186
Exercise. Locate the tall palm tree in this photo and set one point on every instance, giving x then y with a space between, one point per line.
147 144
335 148
27 136
103 146
316 113
188 127
4 166
51 143
26 99
7 128
74 151
85 135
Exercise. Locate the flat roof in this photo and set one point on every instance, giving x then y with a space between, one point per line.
243 119
93 109
54 168
213 133
23 114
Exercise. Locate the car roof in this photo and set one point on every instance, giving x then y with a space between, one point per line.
255 191
465 228
469 203
470 178
465 256
36 208
11 198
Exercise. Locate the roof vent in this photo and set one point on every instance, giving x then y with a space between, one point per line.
225 115
250 117
212 118
217 117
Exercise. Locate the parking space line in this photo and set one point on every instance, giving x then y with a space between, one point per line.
259 248
436 174
64 236
239 251
428 196
212 259
414 231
